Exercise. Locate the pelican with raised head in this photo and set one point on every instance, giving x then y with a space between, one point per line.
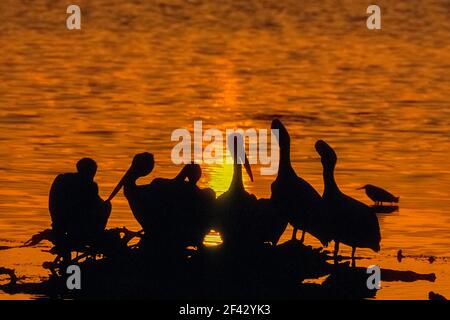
235 208
352 222
301 203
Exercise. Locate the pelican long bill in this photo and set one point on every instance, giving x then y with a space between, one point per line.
235 155
248 168
119 185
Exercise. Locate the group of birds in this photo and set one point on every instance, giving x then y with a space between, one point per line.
176 213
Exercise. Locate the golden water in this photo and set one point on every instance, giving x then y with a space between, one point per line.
140 69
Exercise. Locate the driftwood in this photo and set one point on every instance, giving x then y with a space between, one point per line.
110 242
290 270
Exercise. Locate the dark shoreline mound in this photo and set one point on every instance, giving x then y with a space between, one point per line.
265 272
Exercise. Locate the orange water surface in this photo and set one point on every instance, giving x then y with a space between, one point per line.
137 70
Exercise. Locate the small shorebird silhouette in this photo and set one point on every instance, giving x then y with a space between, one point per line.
379 195
352 222
300 201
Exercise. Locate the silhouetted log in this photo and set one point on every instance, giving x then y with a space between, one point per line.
217 273
405 276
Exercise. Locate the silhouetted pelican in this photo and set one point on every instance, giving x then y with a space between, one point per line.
78 213
142 165
379 195
235 208
352 222
298 199
172 212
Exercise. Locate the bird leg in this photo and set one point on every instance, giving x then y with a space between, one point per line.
294 234
336 250
353 257
303 237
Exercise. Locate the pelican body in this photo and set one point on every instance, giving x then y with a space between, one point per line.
236 208
78 214
352 222
172 212
379 195
300 202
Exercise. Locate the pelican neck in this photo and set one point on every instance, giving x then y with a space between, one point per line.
130 182
285 167
329 180
236 182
